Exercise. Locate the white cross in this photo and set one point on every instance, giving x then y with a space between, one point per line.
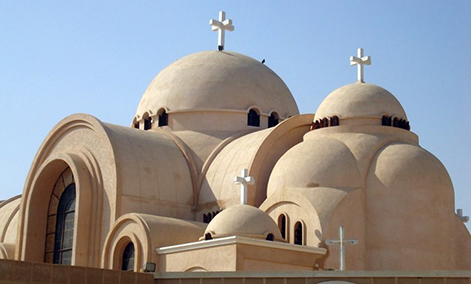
221 26
244 180
360 61
459 213
342 244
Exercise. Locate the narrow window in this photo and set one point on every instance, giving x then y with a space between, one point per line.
325 121
334 121
270 237
273 119
208 237
148 123
298 233
163 118
64 235
136 125
128 258
253 118
60 220
386 120
407 125
282 225
396 122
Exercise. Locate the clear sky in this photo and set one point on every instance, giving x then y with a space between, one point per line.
97 57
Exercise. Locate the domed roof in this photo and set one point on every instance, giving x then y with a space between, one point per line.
244 221
218 80
360 100
317 162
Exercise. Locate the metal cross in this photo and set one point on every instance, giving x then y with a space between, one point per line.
244 180
360 61
342 244
459 213
221 26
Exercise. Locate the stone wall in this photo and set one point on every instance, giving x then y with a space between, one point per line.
29 272
331 277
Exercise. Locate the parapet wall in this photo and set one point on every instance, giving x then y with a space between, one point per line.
15 272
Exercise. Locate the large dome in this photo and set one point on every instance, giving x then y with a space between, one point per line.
217 80
360 100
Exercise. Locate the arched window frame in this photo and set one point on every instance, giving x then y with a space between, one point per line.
125 262
273 119
148 123
163 117
253 117
55 232
303 233
286 225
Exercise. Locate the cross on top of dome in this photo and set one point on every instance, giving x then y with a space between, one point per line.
360 60
221 26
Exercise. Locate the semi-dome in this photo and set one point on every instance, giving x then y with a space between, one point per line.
217 80
360 100
316 162
243 221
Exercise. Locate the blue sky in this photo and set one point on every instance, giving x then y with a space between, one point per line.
97 57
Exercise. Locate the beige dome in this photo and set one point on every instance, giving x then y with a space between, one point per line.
317 162
221 80
360 100
243 221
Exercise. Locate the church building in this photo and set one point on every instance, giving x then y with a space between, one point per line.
218 171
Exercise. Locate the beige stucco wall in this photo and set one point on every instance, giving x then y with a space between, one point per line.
116 169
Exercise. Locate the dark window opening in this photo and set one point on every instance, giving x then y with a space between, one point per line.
136 125
270 237
163 118
128 258
253 118
273 119
208 217
64 235
298 233
147 123
282 225
386 120
325 122
334 121
208 237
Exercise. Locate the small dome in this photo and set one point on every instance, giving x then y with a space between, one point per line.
317 162
360 100
221 80
244 221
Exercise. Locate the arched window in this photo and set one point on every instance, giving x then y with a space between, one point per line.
282 225
325 121
386 120
61 220
148 123
253 118
396 122
163 118
273 119
298 233
128 257
208 237
64 237
136 125
270 237
334 121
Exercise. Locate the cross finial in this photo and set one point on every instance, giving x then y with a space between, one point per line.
221 26
341 242
244 179
459 213
360 60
